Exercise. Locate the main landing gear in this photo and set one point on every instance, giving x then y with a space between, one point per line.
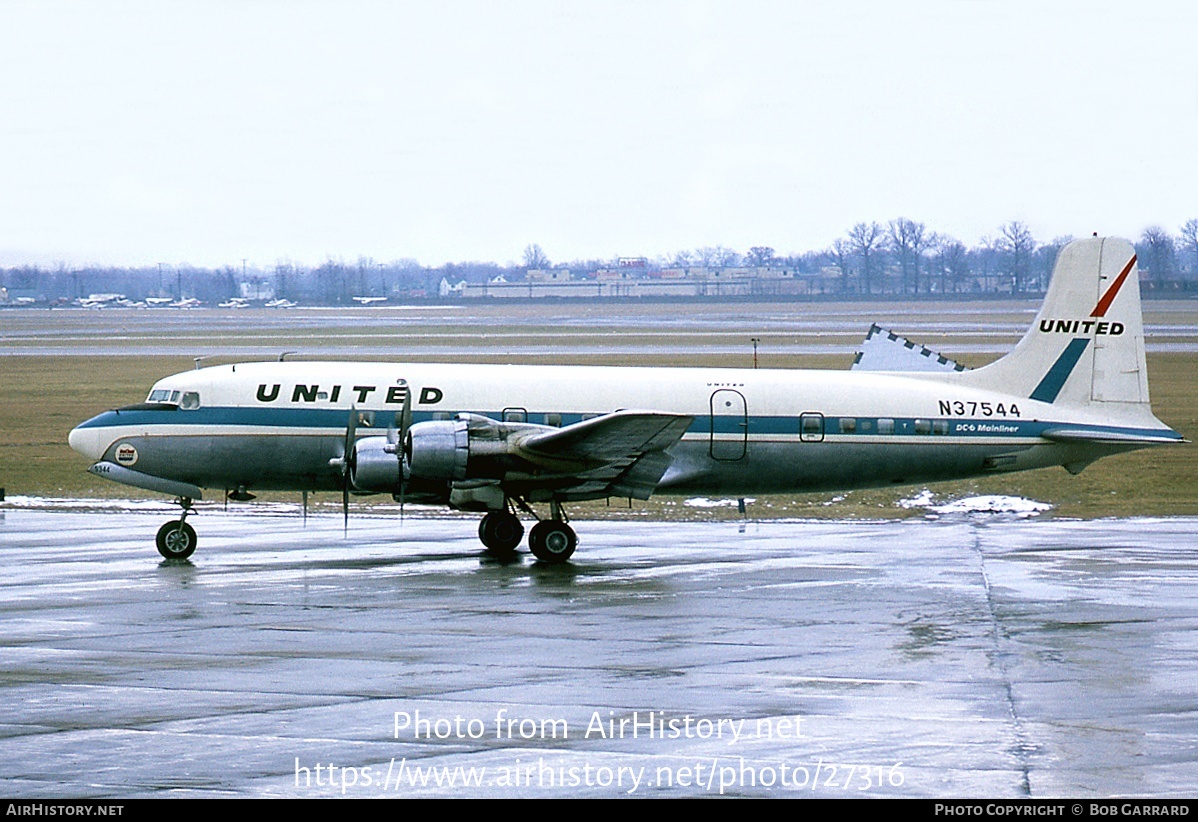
176 539
551 541
501 532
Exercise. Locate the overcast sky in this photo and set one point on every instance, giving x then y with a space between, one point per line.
208 132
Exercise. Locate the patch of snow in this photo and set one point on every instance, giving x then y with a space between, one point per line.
993 504
921 500
704 502
984 504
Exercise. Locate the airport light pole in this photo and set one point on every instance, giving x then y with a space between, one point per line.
755 340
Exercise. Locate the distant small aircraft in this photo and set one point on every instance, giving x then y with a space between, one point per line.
369 300
99 300
235 302
503 439
281 304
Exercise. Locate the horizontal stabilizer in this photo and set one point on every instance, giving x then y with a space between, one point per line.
883 350
1113 437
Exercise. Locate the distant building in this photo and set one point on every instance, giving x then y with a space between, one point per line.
446 290
256 290
548 275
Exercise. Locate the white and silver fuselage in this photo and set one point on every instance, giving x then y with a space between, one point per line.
282 426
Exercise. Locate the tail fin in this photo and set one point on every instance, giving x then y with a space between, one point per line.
1087 343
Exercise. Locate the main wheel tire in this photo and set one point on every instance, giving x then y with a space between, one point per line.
552 542
501 532
176 540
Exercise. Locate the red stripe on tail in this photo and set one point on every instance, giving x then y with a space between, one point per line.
1109 296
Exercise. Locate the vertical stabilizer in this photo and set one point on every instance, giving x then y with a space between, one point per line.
1087 343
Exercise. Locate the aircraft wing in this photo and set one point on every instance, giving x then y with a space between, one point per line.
610 437
618 454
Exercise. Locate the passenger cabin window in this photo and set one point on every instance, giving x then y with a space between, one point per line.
848 425
190 401
923 426
885 426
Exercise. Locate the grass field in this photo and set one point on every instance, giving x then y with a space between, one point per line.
43 397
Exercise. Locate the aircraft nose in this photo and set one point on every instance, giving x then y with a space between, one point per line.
90 442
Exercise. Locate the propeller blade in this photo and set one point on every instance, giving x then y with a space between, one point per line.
405 422
405 418
346 469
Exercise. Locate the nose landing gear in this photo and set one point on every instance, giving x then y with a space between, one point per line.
176 539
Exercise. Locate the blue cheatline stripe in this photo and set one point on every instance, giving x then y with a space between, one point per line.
335 421
1054 380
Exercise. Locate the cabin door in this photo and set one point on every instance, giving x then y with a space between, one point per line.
729 425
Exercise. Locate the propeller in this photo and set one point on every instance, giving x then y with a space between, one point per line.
346 467
397 443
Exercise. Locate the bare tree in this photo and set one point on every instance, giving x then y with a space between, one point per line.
726 257
535 258
1158 253
760 256
1018 246
866 240
683 259
1189 243
1046 256
842 257
950 262
908 240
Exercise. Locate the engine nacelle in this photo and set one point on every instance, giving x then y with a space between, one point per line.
439 449
375 469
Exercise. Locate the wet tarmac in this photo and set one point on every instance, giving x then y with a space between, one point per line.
961 656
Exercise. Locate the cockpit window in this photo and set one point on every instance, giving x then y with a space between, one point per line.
165 395
190 401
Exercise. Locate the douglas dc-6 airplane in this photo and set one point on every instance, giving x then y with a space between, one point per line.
502 438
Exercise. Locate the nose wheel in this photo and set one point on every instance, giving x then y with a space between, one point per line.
176 539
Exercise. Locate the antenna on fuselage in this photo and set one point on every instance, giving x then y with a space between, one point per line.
285 353
197 361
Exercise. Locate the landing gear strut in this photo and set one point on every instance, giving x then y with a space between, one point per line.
177 539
